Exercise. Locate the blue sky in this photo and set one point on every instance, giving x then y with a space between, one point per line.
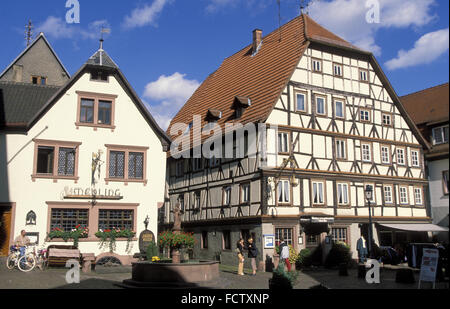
167 47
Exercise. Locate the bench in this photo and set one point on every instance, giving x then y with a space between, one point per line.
59 255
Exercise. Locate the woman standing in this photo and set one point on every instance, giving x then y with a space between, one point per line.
252 254
240 254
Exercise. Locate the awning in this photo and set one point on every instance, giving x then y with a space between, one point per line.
417 227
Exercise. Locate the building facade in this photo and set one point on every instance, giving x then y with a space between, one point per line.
87 154
429 109
333 126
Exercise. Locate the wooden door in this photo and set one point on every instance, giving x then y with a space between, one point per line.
5 230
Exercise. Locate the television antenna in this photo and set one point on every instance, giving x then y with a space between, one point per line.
29 32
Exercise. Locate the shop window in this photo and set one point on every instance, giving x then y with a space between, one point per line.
312 240
286 233
339 235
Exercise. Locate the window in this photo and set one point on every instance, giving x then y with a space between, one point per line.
300 105
104 112
245 193
401 156
99 76
45 159
179 168
440 135
55 160
69 219
341 149
363 75
115 219
320 105
337 69
342 189
117 164
197 200
415 158
39 80
43 81
34 80
317 65
387 120
286 233
197 164
126 163
312 240
445 182
339 109
388 195
403 195
339 234
385 155
418 196
226 240
364 115
95 110
226 196
366 152
318 193
136 165
283 142
66 161
204 240
87 111
283 190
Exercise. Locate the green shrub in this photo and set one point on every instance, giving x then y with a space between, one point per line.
339 254
315 258
282 280
152 251
304 259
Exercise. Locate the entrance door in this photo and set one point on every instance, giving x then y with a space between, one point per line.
5 230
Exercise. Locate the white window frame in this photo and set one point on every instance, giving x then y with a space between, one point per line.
389 200
404 200
362 117
317 97
343 190
363 75
245 193
283 142
415 158
386 116
226 196
341 149
304 101
366 156
418 196
285 186
314 62
385 155
403 159
318 185
440 131
343 108
340 72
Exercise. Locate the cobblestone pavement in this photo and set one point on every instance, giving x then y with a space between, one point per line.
55 279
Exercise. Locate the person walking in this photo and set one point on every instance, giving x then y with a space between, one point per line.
284 253
252 254
240 254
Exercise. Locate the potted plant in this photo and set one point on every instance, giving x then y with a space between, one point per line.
75 234
176 241
109 236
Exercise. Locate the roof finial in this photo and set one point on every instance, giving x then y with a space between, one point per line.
29 32
104 30
304 6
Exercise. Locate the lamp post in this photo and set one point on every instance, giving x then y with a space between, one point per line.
369 197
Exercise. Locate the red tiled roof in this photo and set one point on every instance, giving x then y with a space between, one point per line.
429 105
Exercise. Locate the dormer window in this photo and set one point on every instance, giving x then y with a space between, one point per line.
99 76
214 115
39 80
240 104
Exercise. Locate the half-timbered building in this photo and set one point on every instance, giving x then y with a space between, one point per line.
333 126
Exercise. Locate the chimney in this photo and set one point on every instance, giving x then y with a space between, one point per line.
257 38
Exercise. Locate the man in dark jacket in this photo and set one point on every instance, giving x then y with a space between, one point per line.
252 254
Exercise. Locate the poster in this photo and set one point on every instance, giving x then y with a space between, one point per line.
428 269
269 241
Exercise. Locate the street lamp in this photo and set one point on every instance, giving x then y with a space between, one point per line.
369 197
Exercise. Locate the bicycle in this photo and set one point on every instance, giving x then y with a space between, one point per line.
25 263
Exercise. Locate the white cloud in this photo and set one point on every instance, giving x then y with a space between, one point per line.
145 15
57 28
426 49
169 93
216 5
347 18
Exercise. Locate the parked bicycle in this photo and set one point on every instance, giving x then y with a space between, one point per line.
28 261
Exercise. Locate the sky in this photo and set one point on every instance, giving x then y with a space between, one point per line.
166 48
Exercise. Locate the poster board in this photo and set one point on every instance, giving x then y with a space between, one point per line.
428 269
269 241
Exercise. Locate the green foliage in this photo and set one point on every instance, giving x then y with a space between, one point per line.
282 279
292 255
152 251
169 239
303 259
315 258
339 254
75 234
109 237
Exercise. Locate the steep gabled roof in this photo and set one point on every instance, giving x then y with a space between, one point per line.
428 106
19 102
41 36
263 76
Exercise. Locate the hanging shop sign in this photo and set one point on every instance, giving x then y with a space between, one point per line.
329 220
91 193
